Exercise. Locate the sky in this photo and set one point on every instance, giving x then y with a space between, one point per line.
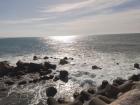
68 17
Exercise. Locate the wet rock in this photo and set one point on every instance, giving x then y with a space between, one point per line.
84 96
129 98
63 62
9 82
64 75
3 89
96 101
103 85
56 78
46 77
33 67
45 72
48 65
119 81
91 90
135 77
35 58
111 91
95 67
35 80
126 86
76 94
51 101
136 65
22 83
66 58
46 57
22 65
51 91
61 100
5 68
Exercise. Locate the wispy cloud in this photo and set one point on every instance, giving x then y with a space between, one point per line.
94 4
23 21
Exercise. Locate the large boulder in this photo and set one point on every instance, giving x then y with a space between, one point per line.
64 75
51 91
48 65
5 68
130 98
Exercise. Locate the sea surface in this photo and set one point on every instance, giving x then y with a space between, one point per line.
115 54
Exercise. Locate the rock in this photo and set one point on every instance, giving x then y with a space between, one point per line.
95 67
5 68
64 75
76 94
66 58
9 82
84 96
51 101
61 100
56 78
136 65
135 77
45 72
130 98
63 62
91 90
48 65
46 57
35 58
105 99
46 77
22 83
96 101
103 85
33 67
51 91
126 86
119 81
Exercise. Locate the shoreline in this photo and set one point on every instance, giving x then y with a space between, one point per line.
47 71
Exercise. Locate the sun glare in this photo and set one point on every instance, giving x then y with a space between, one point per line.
64 39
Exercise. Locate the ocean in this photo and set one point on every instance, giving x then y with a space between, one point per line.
115 54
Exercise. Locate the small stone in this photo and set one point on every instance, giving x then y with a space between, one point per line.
51 91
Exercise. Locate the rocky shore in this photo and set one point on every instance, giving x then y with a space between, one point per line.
120 92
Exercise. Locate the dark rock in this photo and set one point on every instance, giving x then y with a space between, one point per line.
96 101
48 65
51 101
61 100
46 77
64 76
33 67
135 77
35 80
111 91
51 91
91 90
136 65
56 78
45 72
46 57
22 83
9 82
63 62
95 67
3 89
66 58
103 85
126 86
76 94
84 96
119 81
5 68
35 58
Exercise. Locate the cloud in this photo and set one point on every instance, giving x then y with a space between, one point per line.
23 21
94 4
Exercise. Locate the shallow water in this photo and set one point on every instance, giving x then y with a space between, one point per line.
104 51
